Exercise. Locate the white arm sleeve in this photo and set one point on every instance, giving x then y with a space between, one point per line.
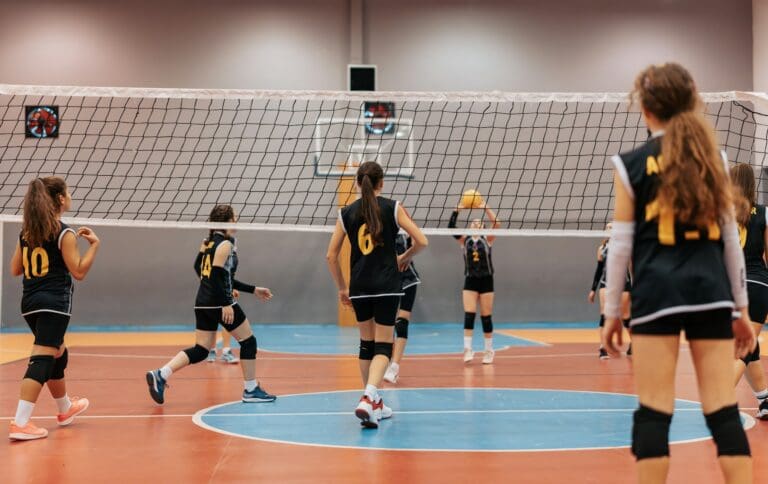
619 253
734 262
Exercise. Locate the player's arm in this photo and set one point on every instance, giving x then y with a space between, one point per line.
452 224
262 293
79 265
419 241
17 266
199 258
221 282
332 258
598 273
494 221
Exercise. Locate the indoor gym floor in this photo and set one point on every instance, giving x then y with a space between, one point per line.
547 411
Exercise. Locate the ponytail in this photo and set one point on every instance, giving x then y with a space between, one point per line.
369 177
42 208
743 180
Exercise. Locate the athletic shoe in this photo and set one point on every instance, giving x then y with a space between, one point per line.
27 432
468 355
78 406
365 412
391 375
629 350
257 395
762 410
228 357
382 411
603 354
156 385
488 357
211 356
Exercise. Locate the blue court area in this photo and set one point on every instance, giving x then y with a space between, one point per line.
448 419
423 339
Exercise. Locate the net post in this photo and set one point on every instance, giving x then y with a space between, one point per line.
345 194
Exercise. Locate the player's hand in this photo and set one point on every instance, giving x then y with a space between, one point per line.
235 293
344 297
263 293
88 234
743 334
591 297
612 336
228 315
403 261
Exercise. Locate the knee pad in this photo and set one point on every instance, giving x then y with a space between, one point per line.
39 368
650 433
380 348
487 324
401 328
248 348
727 432
196 354
59 365
469 320
602 320
366 350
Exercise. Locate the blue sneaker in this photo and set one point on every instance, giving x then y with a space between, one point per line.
156 385
258 395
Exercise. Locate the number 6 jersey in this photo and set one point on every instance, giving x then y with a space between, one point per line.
373 268
47 282
677 268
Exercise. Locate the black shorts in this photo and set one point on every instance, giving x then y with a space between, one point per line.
480 285
382 309
407 301
48 328
713 324
208 319
758 302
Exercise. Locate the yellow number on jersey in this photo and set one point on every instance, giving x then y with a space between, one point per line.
37 264
364 240
742 235
205 267
475 256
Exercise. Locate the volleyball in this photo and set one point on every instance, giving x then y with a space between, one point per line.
471 199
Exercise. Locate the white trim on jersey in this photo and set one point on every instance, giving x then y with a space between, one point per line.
618 164
46 311
365 296
693 308
766 217
397 206
61 235
756 282
415 283
341 219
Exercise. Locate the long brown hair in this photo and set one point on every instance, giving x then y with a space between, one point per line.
694 183
42 208
221 213
744 195
369 177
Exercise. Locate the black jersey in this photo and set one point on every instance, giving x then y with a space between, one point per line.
604 273
47 282
409 276
753 242
678 268
373 268
207 294
477 257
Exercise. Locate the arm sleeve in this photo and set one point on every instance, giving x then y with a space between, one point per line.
221 282
452 223
241 286
734 263
622 238
598 274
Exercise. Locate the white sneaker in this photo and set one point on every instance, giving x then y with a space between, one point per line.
390 375
488 357
228 357
468 355
211 356
381 410
365 413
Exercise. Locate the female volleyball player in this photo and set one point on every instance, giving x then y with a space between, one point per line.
754 240
410 282
375 286
674 218
47 256
478 282
598 284
216 264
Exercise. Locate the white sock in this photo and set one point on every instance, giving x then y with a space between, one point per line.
63 403
372 393
762 395
488 344
23 412
226 349
166 372
395 367
467 342
250 385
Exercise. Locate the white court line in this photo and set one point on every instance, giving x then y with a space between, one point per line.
336 357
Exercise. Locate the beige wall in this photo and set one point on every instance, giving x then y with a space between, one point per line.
760 42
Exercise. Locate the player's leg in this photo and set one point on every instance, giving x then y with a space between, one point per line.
253 392
469 299
226 351
401 333
486 316
626 316
212 353
601 353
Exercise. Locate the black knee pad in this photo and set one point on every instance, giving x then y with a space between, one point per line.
248 348
366 350
754 356
196 354
602 320
650 433
727 431
59 365
487 324
380 348
401 328
469 320
39 368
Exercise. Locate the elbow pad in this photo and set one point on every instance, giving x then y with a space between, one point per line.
622 239
734 263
